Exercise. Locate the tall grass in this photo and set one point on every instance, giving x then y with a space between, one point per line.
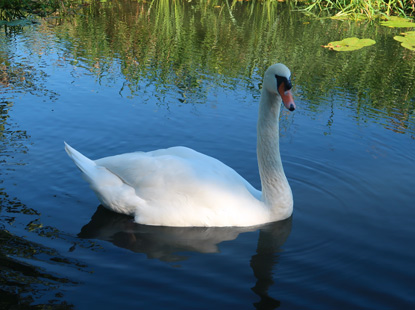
13 9
369 9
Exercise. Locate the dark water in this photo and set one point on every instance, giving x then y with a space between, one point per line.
132 76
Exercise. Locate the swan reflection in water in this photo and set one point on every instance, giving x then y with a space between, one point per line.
164 243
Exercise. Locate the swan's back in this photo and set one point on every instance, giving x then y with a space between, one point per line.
175 166
182 187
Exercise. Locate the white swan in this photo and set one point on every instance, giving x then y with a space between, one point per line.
181 187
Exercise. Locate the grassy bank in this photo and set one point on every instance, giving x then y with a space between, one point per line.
352 9
360 9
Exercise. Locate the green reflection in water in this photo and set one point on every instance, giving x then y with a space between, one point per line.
193 46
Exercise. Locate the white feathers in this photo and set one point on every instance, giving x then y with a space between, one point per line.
181 187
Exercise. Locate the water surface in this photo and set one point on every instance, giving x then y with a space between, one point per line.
132 76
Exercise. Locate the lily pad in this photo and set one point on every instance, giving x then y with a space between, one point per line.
398 22
407 40
349 44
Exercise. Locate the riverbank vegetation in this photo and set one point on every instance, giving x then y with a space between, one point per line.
360 9
347 9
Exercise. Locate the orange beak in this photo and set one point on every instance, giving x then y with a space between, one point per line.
287 97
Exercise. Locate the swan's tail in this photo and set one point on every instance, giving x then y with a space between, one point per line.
110 189
87 166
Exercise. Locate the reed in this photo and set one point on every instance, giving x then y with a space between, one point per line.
353 9
360 9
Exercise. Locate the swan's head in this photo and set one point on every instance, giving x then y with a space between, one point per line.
277 80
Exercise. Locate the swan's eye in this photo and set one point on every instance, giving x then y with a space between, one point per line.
283 79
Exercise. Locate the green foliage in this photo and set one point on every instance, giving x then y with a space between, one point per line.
407 40
358 9
398 22
349 44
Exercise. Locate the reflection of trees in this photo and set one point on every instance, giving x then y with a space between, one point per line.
170 243
12 140
17 74
195 45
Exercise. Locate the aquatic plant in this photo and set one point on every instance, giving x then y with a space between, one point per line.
349 44
407 40
358 9
398 22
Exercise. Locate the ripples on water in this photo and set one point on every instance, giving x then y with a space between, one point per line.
348 152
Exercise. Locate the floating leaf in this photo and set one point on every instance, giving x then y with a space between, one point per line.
398 22
349 44
407 40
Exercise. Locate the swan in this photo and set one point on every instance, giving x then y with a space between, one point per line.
181 187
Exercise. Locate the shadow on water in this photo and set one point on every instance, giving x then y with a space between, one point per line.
168 243
28 277
21 282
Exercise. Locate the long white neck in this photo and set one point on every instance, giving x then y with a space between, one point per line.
276 192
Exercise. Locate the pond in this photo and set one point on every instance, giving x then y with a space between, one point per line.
127 75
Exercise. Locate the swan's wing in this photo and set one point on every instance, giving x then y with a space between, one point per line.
182 187
177 169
